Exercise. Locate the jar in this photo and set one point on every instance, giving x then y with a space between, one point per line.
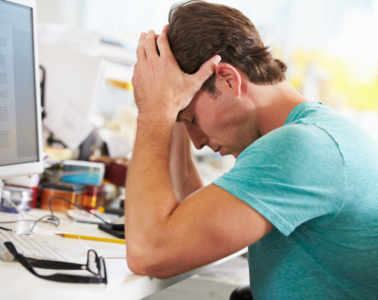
62 196
90 196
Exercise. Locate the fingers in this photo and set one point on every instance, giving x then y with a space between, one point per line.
150 45
207 69
163 44
156 45
140 50
147 46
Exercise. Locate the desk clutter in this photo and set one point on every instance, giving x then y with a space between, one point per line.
68 192
41 251
65 185
47 247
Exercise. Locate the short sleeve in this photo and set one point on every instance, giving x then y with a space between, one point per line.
290 176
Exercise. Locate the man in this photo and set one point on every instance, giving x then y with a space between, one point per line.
302 193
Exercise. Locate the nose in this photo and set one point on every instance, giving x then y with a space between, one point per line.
198 138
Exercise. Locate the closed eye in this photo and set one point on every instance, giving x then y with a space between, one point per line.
187 118
179 117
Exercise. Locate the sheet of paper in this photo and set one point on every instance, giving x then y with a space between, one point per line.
70 85
69 123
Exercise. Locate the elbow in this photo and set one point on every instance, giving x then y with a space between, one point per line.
146 261
135 262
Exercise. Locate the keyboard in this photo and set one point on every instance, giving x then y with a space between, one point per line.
38 246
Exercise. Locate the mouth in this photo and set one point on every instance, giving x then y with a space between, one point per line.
222 151
217 149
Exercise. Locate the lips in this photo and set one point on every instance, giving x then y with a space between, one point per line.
217 149
220 150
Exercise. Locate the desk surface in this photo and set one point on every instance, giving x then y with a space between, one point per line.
17 283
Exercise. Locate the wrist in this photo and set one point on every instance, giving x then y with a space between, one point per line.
156 119
157 129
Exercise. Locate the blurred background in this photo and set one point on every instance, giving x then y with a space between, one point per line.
330 47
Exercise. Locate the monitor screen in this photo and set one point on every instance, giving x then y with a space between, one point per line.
18 106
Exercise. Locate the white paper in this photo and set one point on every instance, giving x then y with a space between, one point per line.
70 84
68 122
119 145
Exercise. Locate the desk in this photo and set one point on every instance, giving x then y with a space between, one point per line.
17 283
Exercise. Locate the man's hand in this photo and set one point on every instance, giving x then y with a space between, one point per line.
161 88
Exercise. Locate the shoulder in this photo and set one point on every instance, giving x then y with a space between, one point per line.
291 140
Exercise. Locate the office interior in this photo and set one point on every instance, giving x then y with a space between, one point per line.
86 52
329 47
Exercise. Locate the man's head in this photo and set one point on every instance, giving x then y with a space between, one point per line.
199 30
222 115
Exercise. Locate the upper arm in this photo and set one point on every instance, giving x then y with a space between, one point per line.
209 224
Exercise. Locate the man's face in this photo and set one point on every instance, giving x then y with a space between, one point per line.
224 124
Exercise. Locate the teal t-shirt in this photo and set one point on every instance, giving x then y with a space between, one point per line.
316 180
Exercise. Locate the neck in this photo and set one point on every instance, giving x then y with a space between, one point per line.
273 104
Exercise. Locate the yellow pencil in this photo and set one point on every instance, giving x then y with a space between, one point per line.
120 84
91 238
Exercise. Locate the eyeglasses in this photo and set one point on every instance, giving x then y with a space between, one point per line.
95 265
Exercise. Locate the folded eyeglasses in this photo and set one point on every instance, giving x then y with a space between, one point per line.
95 265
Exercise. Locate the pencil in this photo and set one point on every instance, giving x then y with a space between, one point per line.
91 238
121 84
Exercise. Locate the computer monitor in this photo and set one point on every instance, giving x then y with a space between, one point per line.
20 112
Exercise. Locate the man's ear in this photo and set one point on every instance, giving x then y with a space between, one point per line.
229 78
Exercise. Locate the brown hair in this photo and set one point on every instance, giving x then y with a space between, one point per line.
199 30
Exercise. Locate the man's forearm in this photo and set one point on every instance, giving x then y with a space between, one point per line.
148 176
150 195
184 174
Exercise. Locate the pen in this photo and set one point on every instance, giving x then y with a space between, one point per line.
91 238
